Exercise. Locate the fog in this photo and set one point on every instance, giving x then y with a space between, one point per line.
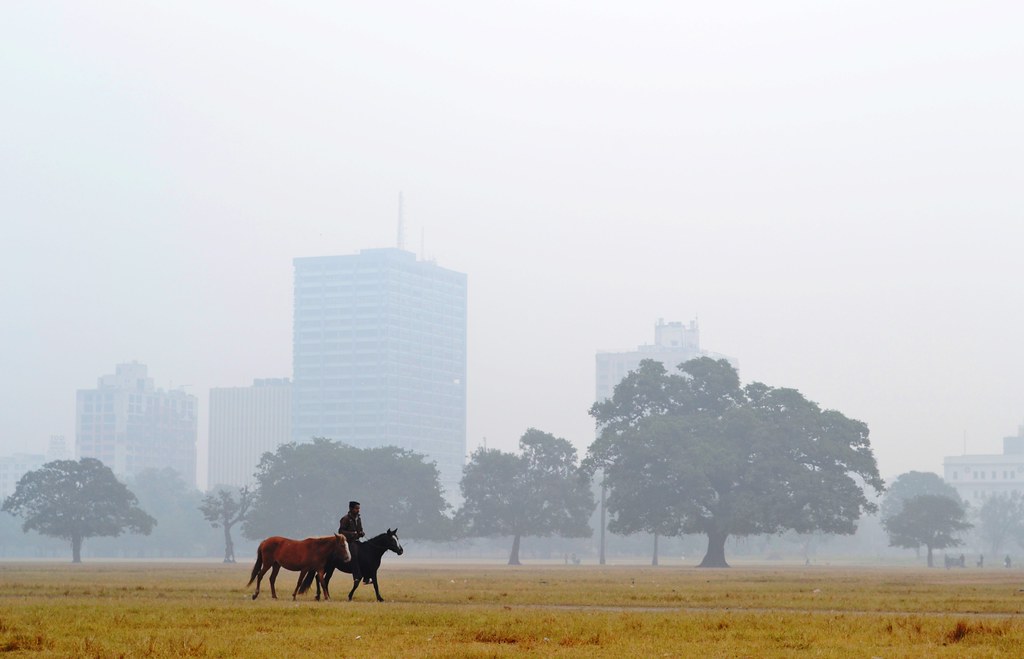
833 189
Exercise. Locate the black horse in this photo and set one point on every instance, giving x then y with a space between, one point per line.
369 553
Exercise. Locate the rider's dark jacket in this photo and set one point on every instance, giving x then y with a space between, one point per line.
351 526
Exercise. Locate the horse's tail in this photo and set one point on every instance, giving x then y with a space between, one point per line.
256 568
307 581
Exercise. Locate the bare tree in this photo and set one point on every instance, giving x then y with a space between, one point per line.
222 510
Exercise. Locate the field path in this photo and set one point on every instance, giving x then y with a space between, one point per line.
604 608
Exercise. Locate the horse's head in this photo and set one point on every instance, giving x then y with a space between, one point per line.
342 551
393 543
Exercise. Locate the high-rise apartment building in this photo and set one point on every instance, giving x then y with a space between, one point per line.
674 343
379 355
129 425
245 423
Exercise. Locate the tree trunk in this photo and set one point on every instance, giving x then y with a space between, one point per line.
603 523
513 558
715 556
76 549
229 546
930 556
654 558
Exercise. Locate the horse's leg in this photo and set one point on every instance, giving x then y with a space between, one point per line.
376 589
259 579
298 584
327 580
273 578
321 576
355 584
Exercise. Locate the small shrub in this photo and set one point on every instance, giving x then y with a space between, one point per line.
490 636
958 633
24 642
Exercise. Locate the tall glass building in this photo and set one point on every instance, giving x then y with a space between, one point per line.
379 355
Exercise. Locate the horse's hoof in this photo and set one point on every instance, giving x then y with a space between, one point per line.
256 595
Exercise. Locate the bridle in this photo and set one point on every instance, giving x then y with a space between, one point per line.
392 538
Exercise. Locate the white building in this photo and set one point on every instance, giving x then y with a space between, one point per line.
245 423
977 477
674 343
129 425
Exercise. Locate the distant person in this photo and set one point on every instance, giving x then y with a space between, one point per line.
981 560
1006 561
963 561
351 526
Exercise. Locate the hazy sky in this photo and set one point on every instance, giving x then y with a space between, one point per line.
833 188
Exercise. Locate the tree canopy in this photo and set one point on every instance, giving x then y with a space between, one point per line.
76 500
912 484
172 502
932 520
303 490
695 452
539 492
1001 519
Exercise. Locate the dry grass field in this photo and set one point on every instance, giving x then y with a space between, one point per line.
142 609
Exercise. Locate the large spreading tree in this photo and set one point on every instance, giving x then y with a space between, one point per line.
696 452
932 520
539 492
303 490
75 500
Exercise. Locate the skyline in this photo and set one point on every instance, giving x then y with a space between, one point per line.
203 447
834 191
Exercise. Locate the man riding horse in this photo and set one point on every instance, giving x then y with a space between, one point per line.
351 526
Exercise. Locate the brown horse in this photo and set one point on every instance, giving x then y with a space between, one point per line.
311 554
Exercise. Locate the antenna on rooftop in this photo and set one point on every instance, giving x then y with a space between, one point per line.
401 223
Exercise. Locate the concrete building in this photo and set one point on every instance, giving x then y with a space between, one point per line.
380 355
129 425
58 449
13 467
245 423
977 477
674 343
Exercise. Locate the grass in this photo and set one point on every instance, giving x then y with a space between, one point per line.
205 610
